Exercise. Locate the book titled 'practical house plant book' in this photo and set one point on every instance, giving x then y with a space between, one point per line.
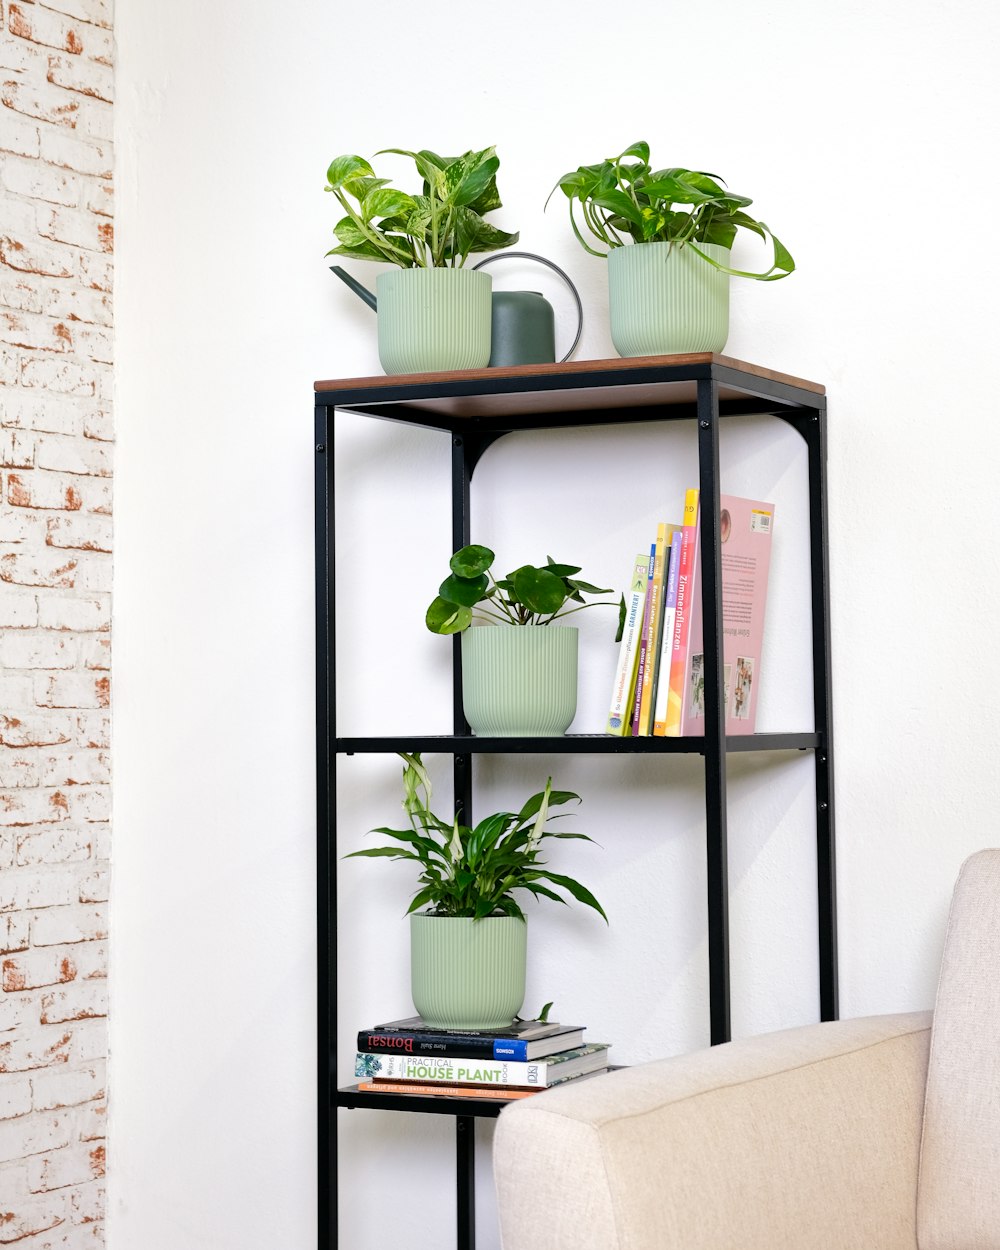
405 1057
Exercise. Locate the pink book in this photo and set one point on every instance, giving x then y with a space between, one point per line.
745 527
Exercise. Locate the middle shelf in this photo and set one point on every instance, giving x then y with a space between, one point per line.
571 744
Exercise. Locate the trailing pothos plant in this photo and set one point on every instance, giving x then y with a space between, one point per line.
473 872
529 595
624 199
438 228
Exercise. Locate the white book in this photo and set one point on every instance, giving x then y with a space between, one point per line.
433 1068
623 690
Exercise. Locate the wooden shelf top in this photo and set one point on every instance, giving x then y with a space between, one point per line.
568 369
574 387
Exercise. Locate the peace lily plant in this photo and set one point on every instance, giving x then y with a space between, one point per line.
474 872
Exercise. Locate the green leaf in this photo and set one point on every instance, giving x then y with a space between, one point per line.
560 570
470 175
375 852
472 234
385 202
579 892
464 590
471 561
622 613
360 251
639 149
343 169
543 1015
587 588
538 590
556 797
620 203
446 618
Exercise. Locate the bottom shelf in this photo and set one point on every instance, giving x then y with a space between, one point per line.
352 1096
434 1104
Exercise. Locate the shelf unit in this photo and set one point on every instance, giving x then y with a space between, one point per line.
475 408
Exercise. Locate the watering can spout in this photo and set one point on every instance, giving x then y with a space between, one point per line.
361 291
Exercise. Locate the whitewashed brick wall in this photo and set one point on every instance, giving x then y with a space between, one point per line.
56 243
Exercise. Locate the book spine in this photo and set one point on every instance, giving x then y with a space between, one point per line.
685 591
621 691
428 1069
663 533
667 635
450 1091
441 1044
433 1069
640 670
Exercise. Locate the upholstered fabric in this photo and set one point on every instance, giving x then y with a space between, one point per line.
801 1140
959 1187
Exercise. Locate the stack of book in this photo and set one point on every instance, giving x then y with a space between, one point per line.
659 685
407 1057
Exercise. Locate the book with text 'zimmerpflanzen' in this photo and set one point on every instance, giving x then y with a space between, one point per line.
662 686
640 666
429 1069
623 688
469 1046
686 591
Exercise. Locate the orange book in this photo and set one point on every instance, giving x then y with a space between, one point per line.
441 1089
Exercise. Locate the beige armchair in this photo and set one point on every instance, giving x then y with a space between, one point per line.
873 1134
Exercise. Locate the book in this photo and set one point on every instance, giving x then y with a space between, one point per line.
448 1089
662 681
651 670
745 530
527 1029
624 683
640 670
442 1089
469 1045
687 576
430 1069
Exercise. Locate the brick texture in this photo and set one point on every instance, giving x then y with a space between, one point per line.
56 537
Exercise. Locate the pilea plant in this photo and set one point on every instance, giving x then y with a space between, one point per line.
440 227
529 595
472 872
623 199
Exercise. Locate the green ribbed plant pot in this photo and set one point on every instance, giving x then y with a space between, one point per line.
433 319
666 300
467 974
519 681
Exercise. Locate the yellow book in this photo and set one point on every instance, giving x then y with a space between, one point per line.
664 533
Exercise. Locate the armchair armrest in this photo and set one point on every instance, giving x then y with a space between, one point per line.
802 1140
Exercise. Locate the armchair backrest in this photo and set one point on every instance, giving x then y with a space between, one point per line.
958 1195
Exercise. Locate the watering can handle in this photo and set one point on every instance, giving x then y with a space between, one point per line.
562 274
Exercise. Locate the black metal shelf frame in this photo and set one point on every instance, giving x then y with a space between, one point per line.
721 389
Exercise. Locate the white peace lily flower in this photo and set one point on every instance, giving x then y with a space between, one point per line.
541 818
455 849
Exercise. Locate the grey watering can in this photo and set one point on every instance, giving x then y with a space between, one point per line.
522 322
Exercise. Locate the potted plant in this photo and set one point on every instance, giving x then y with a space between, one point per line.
672 293
432 312
468 949
518 679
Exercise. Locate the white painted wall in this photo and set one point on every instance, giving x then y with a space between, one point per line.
864 135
